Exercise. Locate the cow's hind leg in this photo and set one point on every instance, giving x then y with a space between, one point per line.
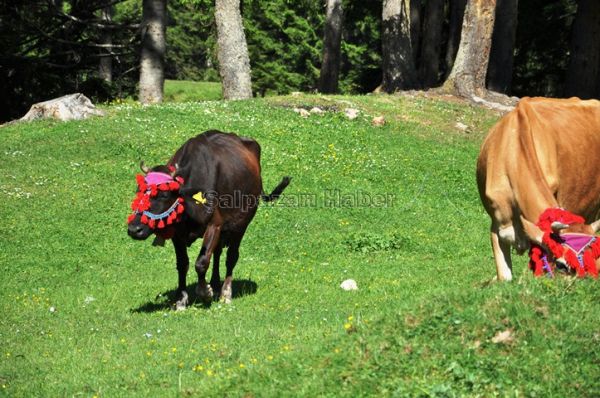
183 263
233 253
209 243
501 244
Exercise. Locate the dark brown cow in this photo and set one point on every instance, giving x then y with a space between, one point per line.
210 188
541 155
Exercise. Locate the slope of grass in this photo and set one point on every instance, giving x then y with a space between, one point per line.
186 90
86 309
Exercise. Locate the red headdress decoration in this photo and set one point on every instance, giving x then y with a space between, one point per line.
149 186
582 261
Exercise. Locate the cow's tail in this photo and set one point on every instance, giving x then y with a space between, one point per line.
285 181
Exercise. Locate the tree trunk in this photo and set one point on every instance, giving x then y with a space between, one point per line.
416 16
468 74
398 63
234 63
583 74
328 80
500 69
457 13
105 67
432 38
152 77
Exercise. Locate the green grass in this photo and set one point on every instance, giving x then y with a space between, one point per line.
186 91
422 323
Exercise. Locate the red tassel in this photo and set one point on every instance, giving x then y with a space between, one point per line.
130 218
595 248
152 223
572 260
180 209
144 219
140 181
536 264
589 262
593 270
161 224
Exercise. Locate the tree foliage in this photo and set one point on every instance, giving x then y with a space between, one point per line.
284 41
51 48
361 46
542 47
191 41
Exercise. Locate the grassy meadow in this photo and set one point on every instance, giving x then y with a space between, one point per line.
86 310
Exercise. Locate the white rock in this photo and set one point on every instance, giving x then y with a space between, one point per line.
351 113
317 111
378 121
461 126
68 107
503 337
302 112
349 284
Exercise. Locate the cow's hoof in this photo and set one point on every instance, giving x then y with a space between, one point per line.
226 296
205 293
182 303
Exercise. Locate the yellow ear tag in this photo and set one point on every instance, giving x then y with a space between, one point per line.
199 198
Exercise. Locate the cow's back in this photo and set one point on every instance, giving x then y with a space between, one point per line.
238 162
541 155
232 161
225 167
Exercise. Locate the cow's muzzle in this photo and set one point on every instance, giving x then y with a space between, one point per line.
138 231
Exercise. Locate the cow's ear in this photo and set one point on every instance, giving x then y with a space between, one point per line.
187 190
533 232
595 225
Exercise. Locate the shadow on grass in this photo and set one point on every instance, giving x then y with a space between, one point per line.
165 301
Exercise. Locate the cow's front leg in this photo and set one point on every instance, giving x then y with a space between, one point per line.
209 243
183 263
215 279
501 243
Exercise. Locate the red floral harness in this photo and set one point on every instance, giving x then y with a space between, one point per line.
149 186
580 257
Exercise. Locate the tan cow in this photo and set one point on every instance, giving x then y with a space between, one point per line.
543 154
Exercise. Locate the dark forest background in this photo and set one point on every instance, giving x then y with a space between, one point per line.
54 47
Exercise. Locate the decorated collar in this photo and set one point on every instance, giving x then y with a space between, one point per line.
579 251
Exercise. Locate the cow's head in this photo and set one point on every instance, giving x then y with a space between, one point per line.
157 204
562 239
